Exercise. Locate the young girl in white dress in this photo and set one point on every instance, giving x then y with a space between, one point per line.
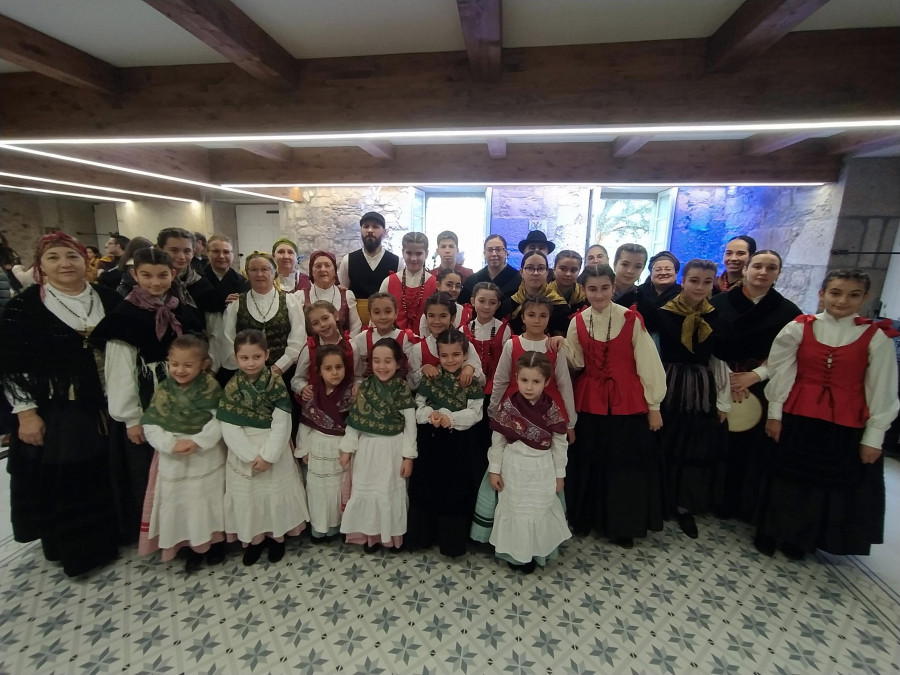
187 478
381 436
264 496
322 427
527 466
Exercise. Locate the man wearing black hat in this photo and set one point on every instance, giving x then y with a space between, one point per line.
497 272
363 270
536 241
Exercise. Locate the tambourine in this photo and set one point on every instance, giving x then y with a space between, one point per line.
745 414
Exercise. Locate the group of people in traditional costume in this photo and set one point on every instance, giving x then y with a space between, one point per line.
405 408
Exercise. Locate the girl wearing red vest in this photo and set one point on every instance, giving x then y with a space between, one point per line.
413 284
321 320
382 317
614 480
832 395
423 358
535 314
450 282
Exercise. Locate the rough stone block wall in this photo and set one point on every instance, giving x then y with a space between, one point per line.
26 218
328 218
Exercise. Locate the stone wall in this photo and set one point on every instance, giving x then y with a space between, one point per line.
561 212
25 218
328 218
797 222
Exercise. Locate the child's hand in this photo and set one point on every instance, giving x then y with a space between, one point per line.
406 468
184 447
31 427
277 371
466 375
570 436
555 343
496 481
344 460
231 298
723 417
430 371
136 434
560 482
868 454
305 458
354 391
306 393
435 418
260 465
655 420
446 422
773 431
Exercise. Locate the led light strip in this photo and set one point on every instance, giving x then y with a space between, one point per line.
40 179
138 172
511 132
99 198
525 183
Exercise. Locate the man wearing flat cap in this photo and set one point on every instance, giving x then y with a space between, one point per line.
536 241
363 270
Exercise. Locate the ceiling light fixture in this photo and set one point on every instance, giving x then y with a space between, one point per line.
41 179
673 184
99 198
510 132
138 172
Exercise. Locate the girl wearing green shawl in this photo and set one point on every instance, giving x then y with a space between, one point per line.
264 496
184 505
442 491
381 437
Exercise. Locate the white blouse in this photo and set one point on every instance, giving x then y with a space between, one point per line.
561 374
413 279
264 308
462 419
333 295
275 445
646 357
880 379
482 331
423 324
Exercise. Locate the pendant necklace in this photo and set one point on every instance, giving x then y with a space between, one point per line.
418 301
268 309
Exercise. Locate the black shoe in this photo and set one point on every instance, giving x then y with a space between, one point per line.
371 549
276 550
193 561
687 524
764 544
216 554
623 542
581 531
793 552
253 553
527 568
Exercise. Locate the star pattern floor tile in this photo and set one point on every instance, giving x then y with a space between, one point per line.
670 605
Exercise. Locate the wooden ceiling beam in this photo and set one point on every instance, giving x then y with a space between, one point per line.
187 162
754 27
43 54
496 148
277 152
625 146
763 144
482 26
378 149
857 142
224 27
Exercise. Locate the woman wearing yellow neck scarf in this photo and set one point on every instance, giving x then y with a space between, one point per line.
698 396
534 272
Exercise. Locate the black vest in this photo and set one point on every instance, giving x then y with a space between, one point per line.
364 281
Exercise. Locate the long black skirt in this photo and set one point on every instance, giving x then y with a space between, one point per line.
614 476
130 464
441 490
747 467
61 491
820 494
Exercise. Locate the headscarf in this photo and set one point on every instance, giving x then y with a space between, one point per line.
532 423
54 240
284 240
328 412
693 319
317 254
164 310
261 254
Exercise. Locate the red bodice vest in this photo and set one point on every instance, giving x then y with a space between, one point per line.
343 311
552 390
488 351
402 336
312 345
428 359
411 303
465 315
609 384
830 382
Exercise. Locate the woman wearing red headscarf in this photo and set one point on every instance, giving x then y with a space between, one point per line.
323 272
59 464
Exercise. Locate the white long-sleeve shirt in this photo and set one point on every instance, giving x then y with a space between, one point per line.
350 440
880 378
462 419
267 304
121 376
164 441
646 357
276 441
504 373
559 447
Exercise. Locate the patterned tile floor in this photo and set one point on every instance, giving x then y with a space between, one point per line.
671 605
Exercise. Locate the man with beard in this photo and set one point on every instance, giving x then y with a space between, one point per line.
363 270
496 271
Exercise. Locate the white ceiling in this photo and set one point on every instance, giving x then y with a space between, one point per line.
130 33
